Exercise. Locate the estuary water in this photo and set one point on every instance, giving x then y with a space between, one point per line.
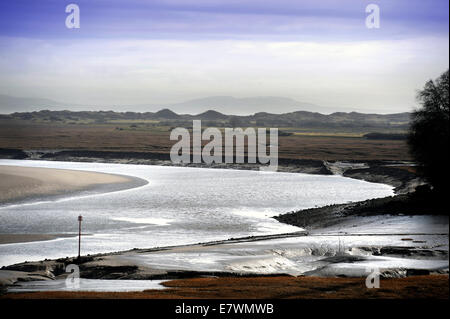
179 205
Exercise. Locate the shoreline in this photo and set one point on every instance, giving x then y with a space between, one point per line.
50 269
109 266
394 173
132 264
420 202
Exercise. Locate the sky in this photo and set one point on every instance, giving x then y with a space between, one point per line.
167 51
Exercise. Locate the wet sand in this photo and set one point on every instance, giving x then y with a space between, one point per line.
20 183
25 238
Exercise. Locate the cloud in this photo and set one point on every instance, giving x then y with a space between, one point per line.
140 51
245 19
365 74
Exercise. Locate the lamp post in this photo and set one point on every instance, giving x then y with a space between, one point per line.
80 218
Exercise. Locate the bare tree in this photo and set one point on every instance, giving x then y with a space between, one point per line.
428 136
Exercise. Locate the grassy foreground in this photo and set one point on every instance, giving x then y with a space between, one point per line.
277 287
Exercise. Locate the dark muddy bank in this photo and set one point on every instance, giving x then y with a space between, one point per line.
423 201
107 266
392 173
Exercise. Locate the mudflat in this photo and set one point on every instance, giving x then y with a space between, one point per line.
25 238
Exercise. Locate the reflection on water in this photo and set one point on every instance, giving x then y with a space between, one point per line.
87 285
178 206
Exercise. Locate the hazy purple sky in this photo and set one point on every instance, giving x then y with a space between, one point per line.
139 52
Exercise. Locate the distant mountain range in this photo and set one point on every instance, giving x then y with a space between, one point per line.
11 104
223 104
54 112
